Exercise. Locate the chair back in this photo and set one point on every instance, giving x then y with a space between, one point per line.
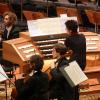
38 15
30 15
97 18
61 10
4 7
74 12
90 15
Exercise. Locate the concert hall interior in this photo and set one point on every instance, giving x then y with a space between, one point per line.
33 27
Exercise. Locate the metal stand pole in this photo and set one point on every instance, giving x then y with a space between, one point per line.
47 8
21 10
75 3
6 89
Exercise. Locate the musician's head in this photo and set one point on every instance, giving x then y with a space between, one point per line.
36 62
71 27
59 50
9 18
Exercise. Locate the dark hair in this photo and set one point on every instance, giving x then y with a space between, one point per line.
60 48
37 61
72 25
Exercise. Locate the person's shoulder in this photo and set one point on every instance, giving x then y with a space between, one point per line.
16 28
45 74
82 35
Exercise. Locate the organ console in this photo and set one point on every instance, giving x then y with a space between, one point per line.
19 50
92 70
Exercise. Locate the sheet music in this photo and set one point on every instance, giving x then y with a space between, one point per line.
79 76
3 75
65 18
73 74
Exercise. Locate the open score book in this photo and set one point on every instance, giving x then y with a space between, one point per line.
73 73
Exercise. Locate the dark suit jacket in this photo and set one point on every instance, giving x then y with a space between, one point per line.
14 33
73 1
36 88
59 87
77 43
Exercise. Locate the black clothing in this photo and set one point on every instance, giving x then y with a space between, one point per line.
77 43
73 1
59 87
36 88
14 33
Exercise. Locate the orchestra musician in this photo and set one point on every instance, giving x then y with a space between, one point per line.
35 85
76 43
59 87
10 31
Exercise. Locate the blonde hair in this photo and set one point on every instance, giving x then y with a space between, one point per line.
12 16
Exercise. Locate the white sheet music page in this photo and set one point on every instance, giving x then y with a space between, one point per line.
65 18
3 75
32 27
75 73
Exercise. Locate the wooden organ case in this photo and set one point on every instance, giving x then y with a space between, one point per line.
19 50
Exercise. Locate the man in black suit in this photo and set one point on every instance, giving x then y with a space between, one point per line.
35 85
10 31
76 43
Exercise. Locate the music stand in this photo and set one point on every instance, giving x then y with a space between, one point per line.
97 3
3 78
5 83
47 8
75 3
21 3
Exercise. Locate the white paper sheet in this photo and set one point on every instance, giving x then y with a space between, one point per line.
73 74
3 75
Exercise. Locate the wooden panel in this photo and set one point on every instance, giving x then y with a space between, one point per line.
19 50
